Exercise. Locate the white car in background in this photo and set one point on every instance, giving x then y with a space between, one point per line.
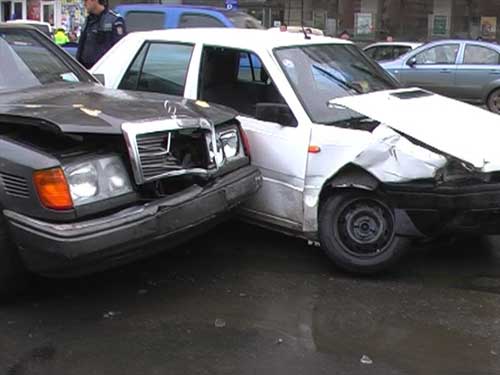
44 27
349 159
388 51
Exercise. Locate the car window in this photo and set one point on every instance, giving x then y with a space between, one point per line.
237 79
442 54
144 21
199 20
384 53
371 52
243 21
400 51
130 80
319 73
26 61
161 67
250 68
480 55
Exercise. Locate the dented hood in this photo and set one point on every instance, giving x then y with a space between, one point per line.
90 108
466 132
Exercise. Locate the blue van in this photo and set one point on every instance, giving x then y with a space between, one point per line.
145 17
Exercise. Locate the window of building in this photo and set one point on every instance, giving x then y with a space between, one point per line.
199 20
144 21
442 54
479 55
159 67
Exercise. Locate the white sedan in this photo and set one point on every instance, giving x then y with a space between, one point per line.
349 160
388 51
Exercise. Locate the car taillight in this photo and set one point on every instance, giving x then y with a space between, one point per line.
53 189
246 143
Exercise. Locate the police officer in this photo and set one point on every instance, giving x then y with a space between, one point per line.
103 28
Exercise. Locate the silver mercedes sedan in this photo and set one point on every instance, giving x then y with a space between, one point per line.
462 69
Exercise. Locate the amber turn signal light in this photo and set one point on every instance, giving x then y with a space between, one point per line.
314 149
53 189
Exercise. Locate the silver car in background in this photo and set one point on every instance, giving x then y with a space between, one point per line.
462 69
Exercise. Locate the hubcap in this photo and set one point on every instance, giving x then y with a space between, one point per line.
495 103
365 227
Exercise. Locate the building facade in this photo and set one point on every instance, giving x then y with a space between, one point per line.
59 13
415 20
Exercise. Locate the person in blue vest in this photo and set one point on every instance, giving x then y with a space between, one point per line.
103 28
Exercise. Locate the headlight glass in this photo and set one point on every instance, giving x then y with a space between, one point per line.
230 143
97 179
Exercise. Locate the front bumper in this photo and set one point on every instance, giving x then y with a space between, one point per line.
87 246
434 210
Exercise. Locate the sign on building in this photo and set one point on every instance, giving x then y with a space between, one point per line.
489 27
363 23
231 4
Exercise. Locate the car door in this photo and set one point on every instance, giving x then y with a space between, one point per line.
247 82
477 68
159 67
432 68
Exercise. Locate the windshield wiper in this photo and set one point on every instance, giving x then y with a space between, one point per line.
356 122
336 79
368 71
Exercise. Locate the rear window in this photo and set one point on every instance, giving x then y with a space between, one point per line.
243 21
199 20
144 21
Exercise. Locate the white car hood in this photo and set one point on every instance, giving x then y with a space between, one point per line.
466 132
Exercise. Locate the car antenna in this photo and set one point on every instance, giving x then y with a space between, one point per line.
305 34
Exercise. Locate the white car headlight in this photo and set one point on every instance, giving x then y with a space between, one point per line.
97 179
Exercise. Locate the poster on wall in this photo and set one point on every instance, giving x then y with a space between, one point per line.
488 27
72 16
364 23
33 10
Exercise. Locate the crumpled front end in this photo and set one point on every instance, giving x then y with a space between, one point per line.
431 190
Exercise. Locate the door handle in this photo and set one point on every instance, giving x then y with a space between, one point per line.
495 72
447 71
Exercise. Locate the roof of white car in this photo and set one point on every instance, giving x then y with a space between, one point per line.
413 45
237 38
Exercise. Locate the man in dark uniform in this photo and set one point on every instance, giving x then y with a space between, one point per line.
103 28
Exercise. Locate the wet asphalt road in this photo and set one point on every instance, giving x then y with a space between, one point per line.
242 300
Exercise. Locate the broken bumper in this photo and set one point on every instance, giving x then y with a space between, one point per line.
473 208
87 246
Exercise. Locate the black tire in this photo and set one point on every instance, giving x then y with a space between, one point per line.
357 231
493 102
13 274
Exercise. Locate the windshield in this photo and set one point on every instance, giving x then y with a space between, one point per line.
27 62
319 73
243 20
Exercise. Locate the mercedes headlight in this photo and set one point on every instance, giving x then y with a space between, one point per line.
97 179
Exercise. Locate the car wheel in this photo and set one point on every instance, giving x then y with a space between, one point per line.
494 101
357 231
13 274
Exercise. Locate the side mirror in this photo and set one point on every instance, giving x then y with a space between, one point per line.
412 62
101 78
275 112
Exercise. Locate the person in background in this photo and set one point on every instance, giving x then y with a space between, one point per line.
345 35
60 37
103 28
283 27
389 38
